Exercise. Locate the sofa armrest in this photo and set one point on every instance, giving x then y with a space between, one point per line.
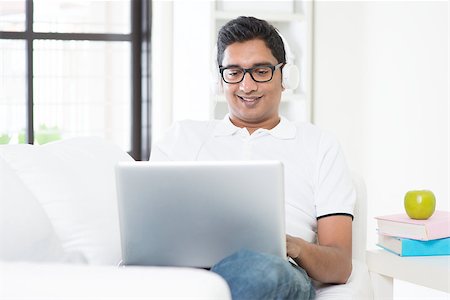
63 281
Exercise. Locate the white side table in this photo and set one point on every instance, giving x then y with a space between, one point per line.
428 271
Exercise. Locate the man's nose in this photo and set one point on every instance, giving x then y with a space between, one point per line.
248 84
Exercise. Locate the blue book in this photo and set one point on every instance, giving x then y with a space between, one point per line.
409 247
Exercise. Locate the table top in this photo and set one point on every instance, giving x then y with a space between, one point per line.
428 271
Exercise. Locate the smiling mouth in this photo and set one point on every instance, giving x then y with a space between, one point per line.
249 99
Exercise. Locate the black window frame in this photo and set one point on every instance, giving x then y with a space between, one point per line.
140 37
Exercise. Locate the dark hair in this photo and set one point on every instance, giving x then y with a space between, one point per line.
244 29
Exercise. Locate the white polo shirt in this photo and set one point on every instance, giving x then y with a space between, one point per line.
317 180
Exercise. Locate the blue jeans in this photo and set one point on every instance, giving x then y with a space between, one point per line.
253 275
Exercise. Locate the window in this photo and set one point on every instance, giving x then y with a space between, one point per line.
75 68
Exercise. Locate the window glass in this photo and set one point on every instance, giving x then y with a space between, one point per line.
82 16
12 15
82 88
12 91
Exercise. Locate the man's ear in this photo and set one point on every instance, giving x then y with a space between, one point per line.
216 84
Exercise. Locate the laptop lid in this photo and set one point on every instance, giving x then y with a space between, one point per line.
196 213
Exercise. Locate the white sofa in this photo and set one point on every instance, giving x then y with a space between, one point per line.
59 232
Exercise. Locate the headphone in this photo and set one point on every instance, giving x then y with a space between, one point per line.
290 73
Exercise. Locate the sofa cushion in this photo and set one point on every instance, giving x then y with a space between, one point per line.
26 233
358 286
74 182
69 282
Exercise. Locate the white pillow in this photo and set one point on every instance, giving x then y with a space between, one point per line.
74 181
25 230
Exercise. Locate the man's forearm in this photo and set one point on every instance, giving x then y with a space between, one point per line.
326 264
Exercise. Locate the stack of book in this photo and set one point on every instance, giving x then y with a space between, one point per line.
408 237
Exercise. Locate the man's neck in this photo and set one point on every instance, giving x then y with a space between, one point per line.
252 127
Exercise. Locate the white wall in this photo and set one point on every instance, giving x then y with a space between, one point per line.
381 85
191 59
181 40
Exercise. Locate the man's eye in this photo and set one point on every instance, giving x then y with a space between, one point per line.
233 72
262 71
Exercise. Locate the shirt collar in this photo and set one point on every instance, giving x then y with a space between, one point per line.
225 127
284 130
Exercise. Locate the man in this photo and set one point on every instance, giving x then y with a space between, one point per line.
318 188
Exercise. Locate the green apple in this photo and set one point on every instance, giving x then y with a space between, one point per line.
420 204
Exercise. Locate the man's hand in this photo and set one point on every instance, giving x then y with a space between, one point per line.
293 246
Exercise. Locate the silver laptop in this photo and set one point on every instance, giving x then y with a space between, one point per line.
194 214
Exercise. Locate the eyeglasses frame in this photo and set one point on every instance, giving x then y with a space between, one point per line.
249 70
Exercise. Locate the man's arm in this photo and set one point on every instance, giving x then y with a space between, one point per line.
330 260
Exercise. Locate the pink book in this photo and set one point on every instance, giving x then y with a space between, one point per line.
400 225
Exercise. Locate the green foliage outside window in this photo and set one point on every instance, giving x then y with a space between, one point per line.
43 135
4 138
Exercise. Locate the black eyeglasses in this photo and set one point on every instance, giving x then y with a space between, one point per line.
258 74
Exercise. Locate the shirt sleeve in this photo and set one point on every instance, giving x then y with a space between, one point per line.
334 190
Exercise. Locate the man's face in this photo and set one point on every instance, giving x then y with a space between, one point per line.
252 104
